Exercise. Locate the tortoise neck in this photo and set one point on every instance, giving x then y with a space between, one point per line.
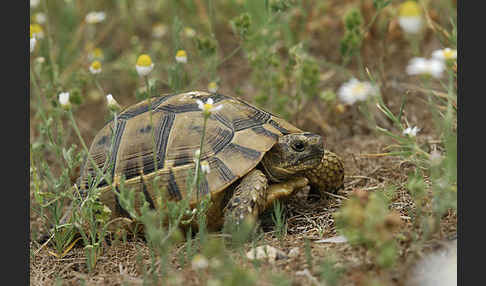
271 173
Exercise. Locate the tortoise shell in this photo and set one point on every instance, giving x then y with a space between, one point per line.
236 139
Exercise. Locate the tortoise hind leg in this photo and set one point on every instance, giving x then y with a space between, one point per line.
248 200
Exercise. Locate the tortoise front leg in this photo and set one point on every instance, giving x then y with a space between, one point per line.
248 199
285 189
253 195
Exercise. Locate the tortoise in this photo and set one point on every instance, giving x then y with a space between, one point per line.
254 157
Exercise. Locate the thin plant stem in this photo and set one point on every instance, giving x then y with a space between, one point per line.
198 161
98 85
145 78
76 130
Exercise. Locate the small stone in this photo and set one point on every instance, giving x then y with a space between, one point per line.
334 239
266 252
306 273
294 252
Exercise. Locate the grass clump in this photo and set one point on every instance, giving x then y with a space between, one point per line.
365 220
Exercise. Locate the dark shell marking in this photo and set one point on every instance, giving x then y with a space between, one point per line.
237 137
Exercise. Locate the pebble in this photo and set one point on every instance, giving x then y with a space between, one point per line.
266 252
294 252
334 239
306 273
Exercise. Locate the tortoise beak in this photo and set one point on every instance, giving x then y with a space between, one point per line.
317 145
316 150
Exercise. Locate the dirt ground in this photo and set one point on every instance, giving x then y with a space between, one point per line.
346 133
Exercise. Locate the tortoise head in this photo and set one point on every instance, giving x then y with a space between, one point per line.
293 154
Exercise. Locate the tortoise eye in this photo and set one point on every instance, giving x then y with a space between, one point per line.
298 146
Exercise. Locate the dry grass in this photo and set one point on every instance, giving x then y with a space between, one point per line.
346 133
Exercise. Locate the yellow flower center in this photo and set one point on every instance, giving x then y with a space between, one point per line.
212 85
144 61
358 88
207 106
181 54
96 65
205 167
448 54
189 32
35 29
410 9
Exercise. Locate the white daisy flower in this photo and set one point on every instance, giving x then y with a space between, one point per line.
159 30
181 56
213 87
423 66
32 44
40 18
144 65
34 3
446 54
64 99
205 167
95 17
189 32
208 107
410 17
112 103
95 67
355 90
411 25
199 262
411 131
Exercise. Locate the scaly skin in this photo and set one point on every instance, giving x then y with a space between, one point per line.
329 175
248 199
253 195
285 189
